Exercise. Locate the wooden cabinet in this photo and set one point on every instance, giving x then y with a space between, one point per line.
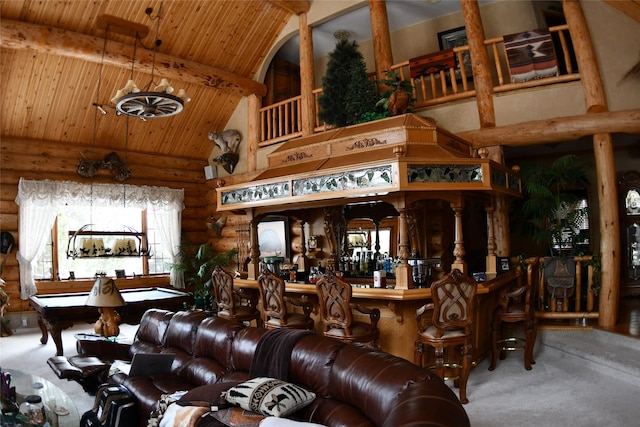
629 197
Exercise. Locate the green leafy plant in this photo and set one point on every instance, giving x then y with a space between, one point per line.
551 213
347 91
197 265
381 108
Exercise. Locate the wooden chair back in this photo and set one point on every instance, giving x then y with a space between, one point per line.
222 284
454 301
272 288
334 300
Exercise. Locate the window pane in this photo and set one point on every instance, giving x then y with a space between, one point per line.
43 266
158 261
97 219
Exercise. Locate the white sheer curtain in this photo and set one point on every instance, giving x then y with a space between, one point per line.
39 202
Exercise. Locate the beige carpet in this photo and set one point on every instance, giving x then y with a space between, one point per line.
570 384
23 351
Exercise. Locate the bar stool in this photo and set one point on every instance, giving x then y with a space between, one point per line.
515 307
228 300
334 298
274 305
449 326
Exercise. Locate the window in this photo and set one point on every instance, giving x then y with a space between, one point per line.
111 219
41 202
574 218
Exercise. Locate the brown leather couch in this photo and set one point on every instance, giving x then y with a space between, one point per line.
355 385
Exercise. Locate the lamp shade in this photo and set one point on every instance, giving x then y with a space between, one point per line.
105 294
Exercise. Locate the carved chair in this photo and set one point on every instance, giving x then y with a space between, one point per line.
515 308
229 301
274 305
336 313
447 322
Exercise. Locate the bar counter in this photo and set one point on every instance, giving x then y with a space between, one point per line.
398 326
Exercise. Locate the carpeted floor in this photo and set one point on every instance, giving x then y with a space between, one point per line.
569 385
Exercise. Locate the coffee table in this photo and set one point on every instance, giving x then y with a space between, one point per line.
53 397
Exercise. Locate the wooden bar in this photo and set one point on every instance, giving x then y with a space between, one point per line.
398 325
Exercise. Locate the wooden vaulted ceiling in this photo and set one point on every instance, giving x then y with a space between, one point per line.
53 71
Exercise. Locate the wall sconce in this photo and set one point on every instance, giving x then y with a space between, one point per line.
106 296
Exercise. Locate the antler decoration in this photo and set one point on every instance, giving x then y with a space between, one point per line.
119 170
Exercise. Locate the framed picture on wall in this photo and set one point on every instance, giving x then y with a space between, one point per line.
456 37
273 237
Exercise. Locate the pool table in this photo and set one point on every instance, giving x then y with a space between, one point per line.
57 312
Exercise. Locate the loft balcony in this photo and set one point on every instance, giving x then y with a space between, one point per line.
437 79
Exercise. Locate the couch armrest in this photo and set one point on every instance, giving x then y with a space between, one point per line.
431 402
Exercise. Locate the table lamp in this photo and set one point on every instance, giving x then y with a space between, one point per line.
105 296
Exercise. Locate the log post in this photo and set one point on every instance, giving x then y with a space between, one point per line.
484 98
307 77
382 53
479 62
253 131
596 101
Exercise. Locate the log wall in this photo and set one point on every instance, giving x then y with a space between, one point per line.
50 160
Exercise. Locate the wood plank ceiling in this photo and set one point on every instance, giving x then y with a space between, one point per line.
48 90
49 96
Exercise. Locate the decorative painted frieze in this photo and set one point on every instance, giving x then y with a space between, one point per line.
256 193
444 173
350 180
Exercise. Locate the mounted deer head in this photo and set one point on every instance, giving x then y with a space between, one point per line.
228 142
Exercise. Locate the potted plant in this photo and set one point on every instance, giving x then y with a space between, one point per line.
197 265
381 108
552 215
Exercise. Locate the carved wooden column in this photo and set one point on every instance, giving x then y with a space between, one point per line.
307 77
458 244
253 268
404 276
382 52
491 260
332 226
596 102
303 259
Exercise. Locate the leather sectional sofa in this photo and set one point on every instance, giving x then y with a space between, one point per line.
354 384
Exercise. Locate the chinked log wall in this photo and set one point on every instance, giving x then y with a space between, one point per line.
41 160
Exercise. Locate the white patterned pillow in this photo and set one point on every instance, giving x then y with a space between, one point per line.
269 396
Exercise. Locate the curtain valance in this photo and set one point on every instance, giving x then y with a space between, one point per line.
57 193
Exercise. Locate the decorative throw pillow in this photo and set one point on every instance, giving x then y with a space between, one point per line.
269 396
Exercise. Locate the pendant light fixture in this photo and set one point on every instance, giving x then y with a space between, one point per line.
154 100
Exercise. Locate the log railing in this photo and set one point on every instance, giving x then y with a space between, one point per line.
575 307
281 121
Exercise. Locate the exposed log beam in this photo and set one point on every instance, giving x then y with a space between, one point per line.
294 6
556 130
50 40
